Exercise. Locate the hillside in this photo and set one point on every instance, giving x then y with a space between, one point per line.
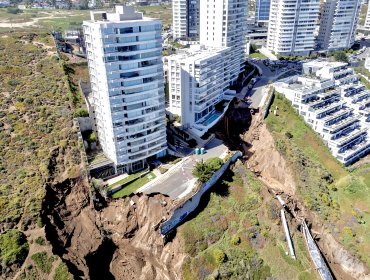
38 146
339 196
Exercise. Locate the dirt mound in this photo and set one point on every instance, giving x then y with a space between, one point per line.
117 242
265 160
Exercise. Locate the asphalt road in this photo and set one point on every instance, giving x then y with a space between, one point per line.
256 93
181 180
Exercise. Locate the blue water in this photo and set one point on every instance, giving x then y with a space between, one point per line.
210 119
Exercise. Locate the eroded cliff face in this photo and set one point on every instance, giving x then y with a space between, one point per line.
119 241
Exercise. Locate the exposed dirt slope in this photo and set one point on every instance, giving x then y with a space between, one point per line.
117 242
264 159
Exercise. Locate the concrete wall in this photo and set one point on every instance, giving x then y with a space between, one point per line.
184 210
85 124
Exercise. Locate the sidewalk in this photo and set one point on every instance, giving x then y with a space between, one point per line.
267 53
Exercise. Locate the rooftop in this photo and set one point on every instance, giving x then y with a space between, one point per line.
197 53
122 13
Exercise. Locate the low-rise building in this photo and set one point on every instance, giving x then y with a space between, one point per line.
199 79
335 104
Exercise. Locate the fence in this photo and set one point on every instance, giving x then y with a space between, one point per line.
186 208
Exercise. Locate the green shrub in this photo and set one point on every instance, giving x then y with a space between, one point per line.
62 273
42 261
92 137
81 113
40 240
235 240
13 247
219 256
214 163
204 170
13 10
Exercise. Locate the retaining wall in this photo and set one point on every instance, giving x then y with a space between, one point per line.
186 208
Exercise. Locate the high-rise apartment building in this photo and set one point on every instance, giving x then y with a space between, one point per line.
198 78
223 24
185 17
367 20
338 23
262 11
124 52
292 26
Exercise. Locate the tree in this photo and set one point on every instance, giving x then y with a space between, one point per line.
214 163
340 56
202 171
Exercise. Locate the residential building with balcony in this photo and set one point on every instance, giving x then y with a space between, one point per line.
332 100
338 22
199 79
262 11
293 26
185 17
124 52
223 24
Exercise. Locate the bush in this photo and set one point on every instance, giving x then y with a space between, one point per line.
13 247
204 170
235 240
13 10
62 273
41 241
340 56
42 261
81 113
218 256
214 163
92 137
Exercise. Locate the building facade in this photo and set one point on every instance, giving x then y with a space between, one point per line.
198 80
223 24
262 11
293 26
124 52
338 22
185 17
332 100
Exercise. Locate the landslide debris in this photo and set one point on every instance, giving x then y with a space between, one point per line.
116 242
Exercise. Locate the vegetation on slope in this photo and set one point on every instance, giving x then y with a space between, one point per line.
13 248
238 235
37 141
338 195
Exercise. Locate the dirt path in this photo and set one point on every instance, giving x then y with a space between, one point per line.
33 22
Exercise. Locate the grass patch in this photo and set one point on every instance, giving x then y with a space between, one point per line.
62 273
163 12
129 189
323 183
257 55
43 261
127 179
13 248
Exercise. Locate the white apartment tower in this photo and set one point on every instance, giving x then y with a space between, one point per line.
185 17
293 26
198 78
124 52
338 23
223 24
367 20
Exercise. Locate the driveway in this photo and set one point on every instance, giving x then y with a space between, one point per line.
258 91
180 181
